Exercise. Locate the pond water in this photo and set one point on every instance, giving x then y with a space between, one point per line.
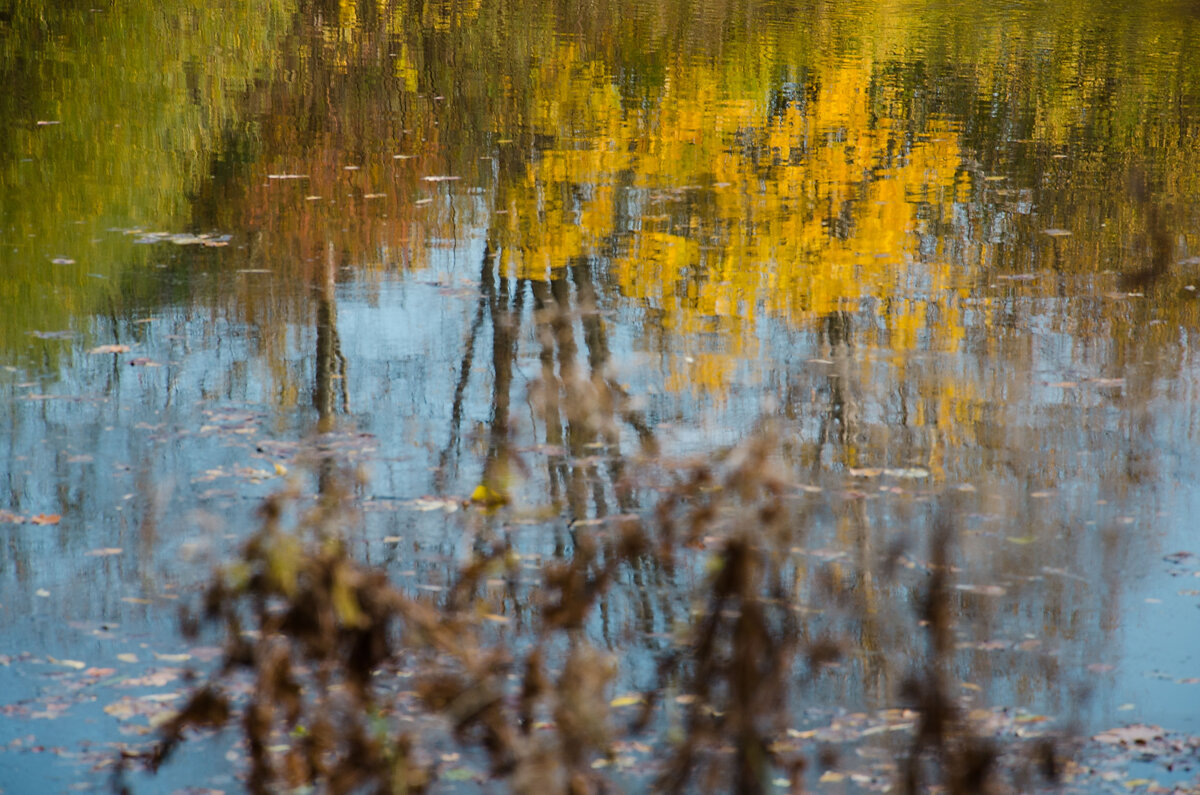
950 251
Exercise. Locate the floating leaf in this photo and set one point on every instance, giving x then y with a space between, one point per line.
626 700
172 657
1031 719
1136 734
438 503
802 735
121 709
106 551
159 698
487 496
76 664
908 473
183 239
99 349
983 590
45 518
206 653
159 678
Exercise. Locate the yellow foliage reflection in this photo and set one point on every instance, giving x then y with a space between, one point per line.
714 209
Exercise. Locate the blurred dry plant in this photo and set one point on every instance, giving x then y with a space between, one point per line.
315 641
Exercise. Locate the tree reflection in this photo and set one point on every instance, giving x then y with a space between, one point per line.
329 381
903 234
868 231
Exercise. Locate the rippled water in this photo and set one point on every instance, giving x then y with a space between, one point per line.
950 249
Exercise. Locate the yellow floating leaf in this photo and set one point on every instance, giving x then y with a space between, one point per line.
487 496
127 658
626 701
1031 718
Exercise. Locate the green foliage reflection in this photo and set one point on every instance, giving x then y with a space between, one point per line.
111 117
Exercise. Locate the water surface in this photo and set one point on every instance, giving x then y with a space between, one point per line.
950 250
